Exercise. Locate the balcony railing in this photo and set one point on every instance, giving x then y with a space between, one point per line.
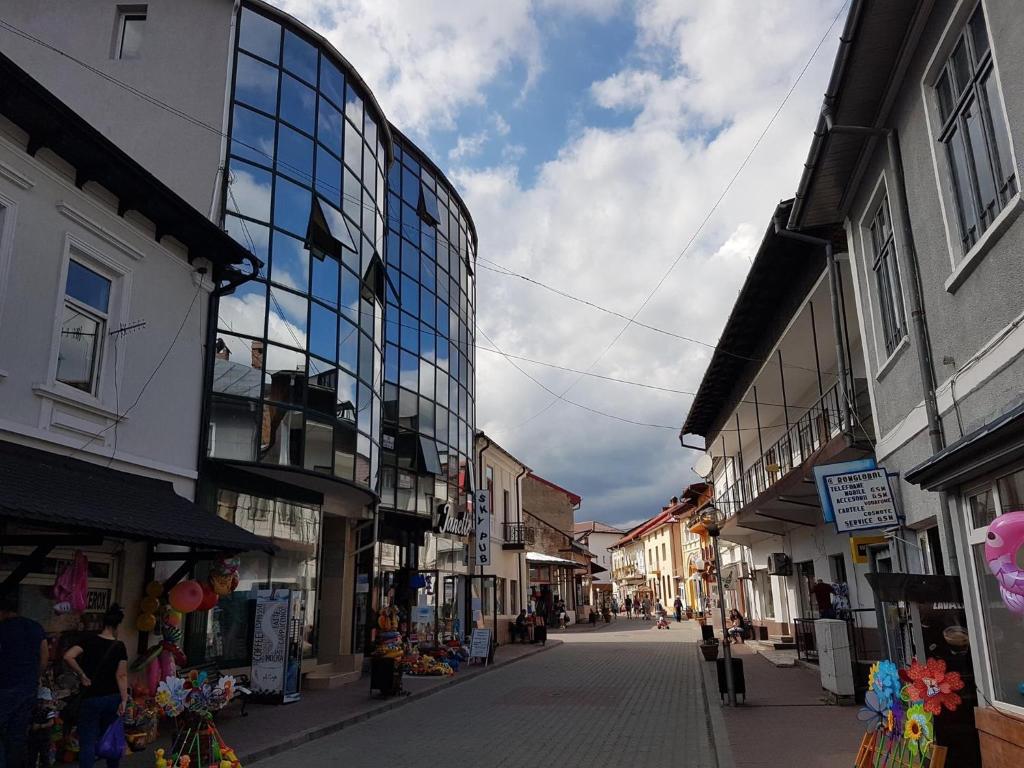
820 423
518 535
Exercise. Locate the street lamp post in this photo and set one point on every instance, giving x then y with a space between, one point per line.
711 523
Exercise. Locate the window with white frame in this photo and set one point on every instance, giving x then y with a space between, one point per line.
887 277
129 32
83 327
974 132
1003 640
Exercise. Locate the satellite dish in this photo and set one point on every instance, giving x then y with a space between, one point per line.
703 465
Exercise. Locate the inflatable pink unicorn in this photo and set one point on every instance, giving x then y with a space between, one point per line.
1004 539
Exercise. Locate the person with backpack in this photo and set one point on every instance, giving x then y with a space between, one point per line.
101 663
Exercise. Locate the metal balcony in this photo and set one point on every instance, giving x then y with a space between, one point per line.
517 535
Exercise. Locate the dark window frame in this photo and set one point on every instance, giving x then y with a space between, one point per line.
888 283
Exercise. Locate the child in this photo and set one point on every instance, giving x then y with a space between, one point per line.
40 740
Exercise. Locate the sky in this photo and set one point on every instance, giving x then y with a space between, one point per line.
590 139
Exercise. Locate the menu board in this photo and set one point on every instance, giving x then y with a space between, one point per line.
270 642
480 644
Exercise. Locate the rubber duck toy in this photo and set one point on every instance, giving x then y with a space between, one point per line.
160 761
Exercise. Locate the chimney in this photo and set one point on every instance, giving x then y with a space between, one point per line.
257 354
221 350
674 500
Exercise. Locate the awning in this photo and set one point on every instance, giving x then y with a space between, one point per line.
39 487
595 568
542 559
986 449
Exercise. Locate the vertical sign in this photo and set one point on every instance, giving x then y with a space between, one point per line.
270 642
483 527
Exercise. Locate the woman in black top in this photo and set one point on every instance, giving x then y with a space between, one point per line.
101 663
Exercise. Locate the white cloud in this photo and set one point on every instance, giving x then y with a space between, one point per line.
501 126
468 146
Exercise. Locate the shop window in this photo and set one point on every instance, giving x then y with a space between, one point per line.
83 329
1003 642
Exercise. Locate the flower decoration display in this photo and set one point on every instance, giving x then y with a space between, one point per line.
872 713
918 730
196 694
885 682
933 685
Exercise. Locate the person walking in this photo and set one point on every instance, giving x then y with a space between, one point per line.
678 606
25 653
101 663
629 607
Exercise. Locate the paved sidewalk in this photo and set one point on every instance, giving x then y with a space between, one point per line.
269 729
785 720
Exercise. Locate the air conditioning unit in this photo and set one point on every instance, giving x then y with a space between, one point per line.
779 564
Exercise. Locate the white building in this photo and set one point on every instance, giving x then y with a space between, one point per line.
599 537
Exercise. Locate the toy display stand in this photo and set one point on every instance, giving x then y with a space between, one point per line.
877 750
198 744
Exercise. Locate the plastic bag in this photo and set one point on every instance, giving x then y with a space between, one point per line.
112 744
71 588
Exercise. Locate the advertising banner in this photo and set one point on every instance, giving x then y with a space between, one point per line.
270 642
483 527
861 500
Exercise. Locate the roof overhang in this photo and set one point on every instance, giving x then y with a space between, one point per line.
976 454
542 559
869 65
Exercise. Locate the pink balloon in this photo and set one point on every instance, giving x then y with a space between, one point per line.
186 596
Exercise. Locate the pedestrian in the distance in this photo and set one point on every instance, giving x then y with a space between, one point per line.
25 653
678 606
629 608
101 663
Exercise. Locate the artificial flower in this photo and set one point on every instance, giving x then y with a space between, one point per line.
885 682
172 696
935 687
918 730
872 713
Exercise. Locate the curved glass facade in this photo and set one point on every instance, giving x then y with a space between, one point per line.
299 357
429 360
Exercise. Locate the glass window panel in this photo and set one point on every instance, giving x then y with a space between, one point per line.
426 424
362 475
441 347
391 364
392 325
260 35
962 182
1002 633
366 316
427 344
370 131
344 450
1011 492
352 192
410 333
410 260
290 263
298 103
237 366
286 320
350 285
946 98
291 207
441 426
410 294
299 57
249 235
348 345
979 34
427 306
252 136
244 310
233 428
294 155
87 286
364 414
353 149
390 405
325 281
321 381
427 373
346 397
323 331
249 190
983 509
319 446
961 68
408 404
284 375
410 189
982 168
329 127
392 250
332 83
354 106
997 119
409 371
282 430
442 388
77 356
365 358
256 83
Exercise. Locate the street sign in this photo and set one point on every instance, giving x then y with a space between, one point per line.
861 500
482 511
823 470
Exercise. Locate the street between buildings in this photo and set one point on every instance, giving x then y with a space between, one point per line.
622 694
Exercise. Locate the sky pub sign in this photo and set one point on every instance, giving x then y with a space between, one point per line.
861 500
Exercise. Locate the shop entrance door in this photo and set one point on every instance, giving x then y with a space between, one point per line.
452 613
483 609
804 584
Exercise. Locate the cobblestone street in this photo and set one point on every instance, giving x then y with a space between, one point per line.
618 695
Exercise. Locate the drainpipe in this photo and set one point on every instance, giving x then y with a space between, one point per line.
837 321
919 321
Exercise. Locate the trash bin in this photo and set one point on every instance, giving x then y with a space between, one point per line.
707 632
739 683
385 676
